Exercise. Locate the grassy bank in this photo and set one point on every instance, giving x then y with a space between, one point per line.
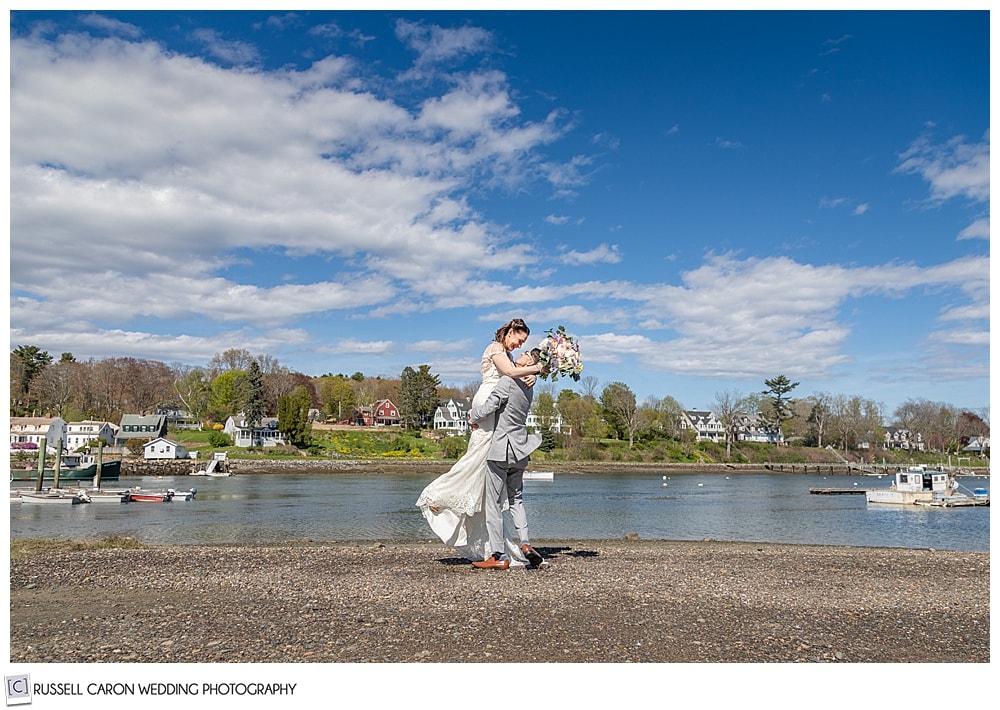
393 444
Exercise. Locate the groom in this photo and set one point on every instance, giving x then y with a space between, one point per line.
506 461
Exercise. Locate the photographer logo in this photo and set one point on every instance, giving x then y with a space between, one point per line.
18 689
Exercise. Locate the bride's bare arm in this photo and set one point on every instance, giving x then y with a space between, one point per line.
506 367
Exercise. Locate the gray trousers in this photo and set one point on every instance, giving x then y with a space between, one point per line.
502 480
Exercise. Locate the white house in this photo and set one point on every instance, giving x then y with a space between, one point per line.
704 425
452 417
81 434
897 438
751 428
557 426
266 434
26 433
978 445
161 448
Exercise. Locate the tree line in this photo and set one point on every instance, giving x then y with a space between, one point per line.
235 381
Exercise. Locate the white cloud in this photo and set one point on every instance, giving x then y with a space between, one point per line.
980 229
229 51
955 168
602 254
727 144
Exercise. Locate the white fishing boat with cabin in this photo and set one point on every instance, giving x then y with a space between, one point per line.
919 485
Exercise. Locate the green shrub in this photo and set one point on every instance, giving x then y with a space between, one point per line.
218 440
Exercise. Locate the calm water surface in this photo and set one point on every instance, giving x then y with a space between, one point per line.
256 508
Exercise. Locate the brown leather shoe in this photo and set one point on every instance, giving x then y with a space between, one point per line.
532 554
492 563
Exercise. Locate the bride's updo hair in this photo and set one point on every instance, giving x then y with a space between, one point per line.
514 324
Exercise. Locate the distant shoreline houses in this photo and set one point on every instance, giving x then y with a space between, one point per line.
707 427
450 418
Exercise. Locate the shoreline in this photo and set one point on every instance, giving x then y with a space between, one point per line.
376 466
594 601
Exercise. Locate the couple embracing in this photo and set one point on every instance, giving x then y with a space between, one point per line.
465 505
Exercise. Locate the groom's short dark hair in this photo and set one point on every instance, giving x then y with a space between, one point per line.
536 355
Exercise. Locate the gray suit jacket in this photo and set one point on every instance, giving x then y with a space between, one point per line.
510 400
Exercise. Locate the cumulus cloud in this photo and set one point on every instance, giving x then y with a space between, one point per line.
195 184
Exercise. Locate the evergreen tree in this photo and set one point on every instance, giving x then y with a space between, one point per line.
293 417
255 407
778 403
26 363
418 397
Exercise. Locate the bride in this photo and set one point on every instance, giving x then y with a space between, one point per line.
453 502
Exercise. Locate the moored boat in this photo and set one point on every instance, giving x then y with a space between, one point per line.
140 496
538 476
54 498
183 495
72 467
919 485
916 483
95 495
98 496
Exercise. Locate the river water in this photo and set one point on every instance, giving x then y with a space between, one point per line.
263 508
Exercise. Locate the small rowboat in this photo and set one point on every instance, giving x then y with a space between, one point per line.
54 498
147 497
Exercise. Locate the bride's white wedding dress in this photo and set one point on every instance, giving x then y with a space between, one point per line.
453 502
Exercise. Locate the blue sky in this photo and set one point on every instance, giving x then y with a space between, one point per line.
706 199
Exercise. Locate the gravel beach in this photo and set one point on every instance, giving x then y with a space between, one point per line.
624 601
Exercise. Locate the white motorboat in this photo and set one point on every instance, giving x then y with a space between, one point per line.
538 476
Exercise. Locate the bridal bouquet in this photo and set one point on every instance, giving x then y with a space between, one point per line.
560 355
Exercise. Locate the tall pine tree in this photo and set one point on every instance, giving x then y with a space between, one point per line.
254 411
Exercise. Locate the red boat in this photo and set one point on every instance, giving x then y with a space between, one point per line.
147 497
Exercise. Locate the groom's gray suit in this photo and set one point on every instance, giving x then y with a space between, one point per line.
508 455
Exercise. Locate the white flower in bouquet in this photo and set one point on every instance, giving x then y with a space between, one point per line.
560 355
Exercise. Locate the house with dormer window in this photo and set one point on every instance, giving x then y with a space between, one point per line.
140 426
264 434
902 439
452 417
750 427
704 424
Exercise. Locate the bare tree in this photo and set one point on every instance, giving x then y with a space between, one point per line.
620 407
589 385
52 387
728 407
231 359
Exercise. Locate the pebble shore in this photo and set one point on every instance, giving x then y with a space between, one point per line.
623 601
